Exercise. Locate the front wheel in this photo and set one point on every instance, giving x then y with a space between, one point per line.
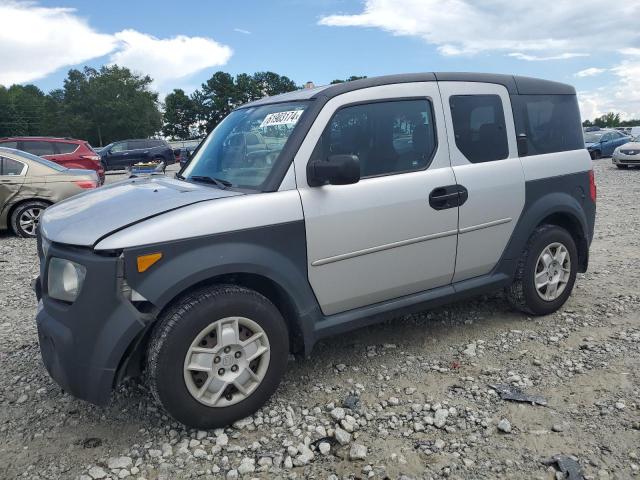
546 272
596 155
622 166
217 356
26 217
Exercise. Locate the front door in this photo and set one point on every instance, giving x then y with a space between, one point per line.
12 177
380 238
485 161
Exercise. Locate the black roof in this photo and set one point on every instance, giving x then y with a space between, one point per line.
514 84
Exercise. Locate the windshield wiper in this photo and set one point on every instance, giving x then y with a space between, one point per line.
218 182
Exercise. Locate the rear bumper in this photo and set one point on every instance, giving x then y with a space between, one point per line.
84 343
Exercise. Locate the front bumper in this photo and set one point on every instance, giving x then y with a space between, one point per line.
83 344
623 159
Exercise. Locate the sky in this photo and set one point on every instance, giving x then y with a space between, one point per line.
592 45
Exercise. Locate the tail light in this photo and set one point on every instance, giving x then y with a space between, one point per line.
86 183
593 191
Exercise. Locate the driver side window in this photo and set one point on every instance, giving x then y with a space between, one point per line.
390 137
119 147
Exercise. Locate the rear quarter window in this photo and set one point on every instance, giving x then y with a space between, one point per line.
551 123
66 147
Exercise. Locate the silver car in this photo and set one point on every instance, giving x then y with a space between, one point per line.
627 155
29 184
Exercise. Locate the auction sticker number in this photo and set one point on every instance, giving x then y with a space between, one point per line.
281 118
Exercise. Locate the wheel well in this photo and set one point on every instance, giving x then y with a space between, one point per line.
22 202
271 290
572 225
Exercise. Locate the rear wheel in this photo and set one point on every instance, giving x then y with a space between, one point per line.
217 356
26 217
546 272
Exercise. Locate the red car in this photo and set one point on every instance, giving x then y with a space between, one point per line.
68 152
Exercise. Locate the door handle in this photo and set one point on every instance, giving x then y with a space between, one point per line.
450 196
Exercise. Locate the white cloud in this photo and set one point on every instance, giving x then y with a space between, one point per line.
458 27
536 58
166 60
36 41
590 72
242 30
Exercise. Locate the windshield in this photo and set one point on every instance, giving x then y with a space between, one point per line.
34 158
243 149
593 137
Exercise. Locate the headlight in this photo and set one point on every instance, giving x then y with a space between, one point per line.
65 279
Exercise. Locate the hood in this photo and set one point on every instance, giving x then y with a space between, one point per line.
84 219
631 146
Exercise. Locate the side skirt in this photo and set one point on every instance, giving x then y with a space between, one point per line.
339 323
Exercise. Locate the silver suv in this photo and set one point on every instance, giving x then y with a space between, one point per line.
309 214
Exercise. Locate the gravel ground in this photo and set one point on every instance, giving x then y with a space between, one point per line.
408 398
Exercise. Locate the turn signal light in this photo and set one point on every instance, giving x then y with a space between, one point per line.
146 261
86 183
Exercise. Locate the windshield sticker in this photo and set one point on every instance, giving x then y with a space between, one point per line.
281 118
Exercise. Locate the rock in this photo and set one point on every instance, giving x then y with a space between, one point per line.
288 463
394 401
470 351
504 426
232 474
440 417
558 427
119 462
338 413
352 402
22 398
97 472
324 448
358 452
342 436
199 453
222 440
306 455
439 444
410 390
620 405
418 427
247 465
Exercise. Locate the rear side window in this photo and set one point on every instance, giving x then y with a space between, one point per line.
9 144
387 137
8 166
65 147
38 147
155 143
137 144
551 123
479 127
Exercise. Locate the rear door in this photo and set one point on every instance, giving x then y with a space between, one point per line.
485 161
118 156
12 175
380 238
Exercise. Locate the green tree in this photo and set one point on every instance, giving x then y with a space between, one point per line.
179 115
110 104
23 109
350 79
270 83
610 119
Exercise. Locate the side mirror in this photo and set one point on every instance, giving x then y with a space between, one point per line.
176 152
336 170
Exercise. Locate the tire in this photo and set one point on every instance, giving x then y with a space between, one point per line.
26 216
523 294
186 322
596 155
622 166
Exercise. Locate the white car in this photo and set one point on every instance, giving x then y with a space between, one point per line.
627 155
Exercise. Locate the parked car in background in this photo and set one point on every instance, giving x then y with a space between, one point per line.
627 155
123 154
602 143
29 184
183 149
68 152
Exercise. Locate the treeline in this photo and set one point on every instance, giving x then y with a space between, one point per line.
112 103
611 120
